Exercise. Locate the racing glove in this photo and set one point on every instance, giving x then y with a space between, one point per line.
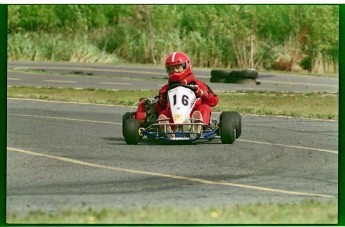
200 93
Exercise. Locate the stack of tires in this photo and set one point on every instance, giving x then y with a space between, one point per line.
246 76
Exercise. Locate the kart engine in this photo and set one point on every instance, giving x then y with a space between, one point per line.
151 115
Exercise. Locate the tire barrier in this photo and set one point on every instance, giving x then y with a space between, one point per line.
246 76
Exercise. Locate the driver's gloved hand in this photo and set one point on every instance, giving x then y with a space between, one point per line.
200 93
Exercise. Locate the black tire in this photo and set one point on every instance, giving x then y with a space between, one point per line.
218 73
218 80
249 73
131 131
227 129
247 76
236 74
126 116
219 76
236 117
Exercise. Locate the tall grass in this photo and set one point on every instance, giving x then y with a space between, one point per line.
290 38
216 51
324 64
55 47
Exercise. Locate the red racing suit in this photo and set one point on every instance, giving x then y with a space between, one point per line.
207 100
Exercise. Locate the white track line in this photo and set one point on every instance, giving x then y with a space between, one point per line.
65 102
290 146
155 174
111 83
60 81
242 140
66 119
295 83
13 78
100 70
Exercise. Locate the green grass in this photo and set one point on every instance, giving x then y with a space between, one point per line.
308 105
304 212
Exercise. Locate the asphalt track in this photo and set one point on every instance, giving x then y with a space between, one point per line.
69 155
149 77
65 155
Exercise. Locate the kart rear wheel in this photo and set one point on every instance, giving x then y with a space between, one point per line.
237 120
131 131
126 116
227 129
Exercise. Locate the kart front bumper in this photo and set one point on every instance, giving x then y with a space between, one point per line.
179 135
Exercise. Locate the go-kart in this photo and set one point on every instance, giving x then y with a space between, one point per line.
181 100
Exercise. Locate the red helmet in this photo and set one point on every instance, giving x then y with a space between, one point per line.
178 66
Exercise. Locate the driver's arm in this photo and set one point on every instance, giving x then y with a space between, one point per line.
162 102
202 91
206 94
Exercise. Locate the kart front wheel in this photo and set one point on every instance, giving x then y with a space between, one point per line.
236 118
131 131
126 116
227 129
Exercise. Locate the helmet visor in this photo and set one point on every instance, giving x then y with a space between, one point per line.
176 68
